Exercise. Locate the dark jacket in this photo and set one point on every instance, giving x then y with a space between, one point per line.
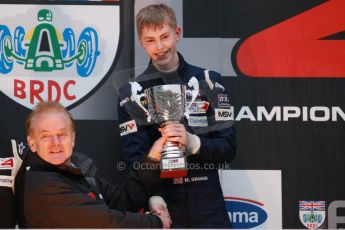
50 196
10 161
195 201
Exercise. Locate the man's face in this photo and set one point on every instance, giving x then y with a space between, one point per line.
52 137
160 45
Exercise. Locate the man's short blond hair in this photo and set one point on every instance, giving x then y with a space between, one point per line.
155 16
45 107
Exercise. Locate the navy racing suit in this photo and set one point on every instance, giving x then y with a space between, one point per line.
195 201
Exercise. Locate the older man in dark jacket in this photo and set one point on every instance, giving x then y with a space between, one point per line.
56 189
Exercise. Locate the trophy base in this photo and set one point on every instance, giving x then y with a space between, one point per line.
173 173
173 167
171 150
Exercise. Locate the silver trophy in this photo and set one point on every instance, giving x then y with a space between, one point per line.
168 103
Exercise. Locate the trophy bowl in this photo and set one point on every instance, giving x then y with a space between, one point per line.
167 103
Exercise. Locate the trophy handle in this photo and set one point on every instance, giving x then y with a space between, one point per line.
135 88
193 82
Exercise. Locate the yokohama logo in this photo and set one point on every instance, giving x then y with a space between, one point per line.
301 46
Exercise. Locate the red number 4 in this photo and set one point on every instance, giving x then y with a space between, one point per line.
7 163
295 48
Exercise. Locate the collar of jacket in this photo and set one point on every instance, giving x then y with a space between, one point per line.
183 64
83 165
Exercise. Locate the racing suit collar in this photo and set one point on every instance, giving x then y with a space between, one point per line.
183 64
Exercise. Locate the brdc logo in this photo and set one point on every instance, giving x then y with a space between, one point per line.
45 52
312 213
56 53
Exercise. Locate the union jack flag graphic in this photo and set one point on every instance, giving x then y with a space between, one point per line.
309 205
178 180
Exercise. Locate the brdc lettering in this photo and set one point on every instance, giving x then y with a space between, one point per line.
35 89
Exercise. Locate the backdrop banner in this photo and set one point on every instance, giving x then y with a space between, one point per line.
281 61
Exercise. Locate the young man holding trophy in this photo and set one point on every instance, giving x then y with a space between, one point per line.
187 105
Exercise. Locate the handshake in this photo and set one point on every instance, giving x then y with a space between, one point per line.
158 208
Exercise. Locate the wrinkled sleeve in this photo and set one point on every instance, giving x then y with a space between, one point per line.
134 136
135 143
136 189
57 204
